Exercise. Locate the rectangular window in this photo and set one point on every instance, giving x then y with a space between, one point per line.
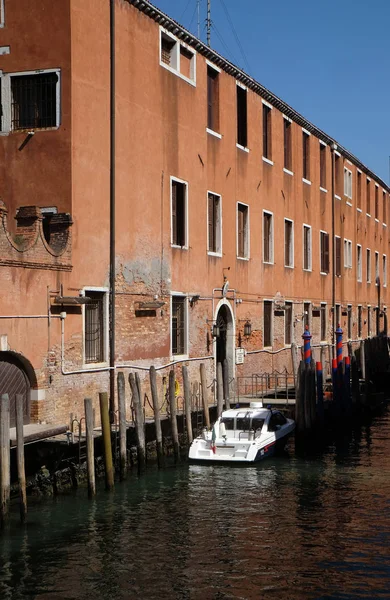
384 264
179 325
177 57
212 99
305 156
242 127
337 174
337 245
214 208
288 323
359 322
95 327
288 243
349 322
384 207
376 202
368 197
324 328
359 189
268 237
267 325
369 321
323 166
359 263
376 268
287 127
306 315
347 183
324 252
179 213
348 254
368 265
242 230
307 248
267 140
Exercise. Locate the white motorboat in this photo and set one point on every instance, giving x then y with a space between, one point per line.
246 434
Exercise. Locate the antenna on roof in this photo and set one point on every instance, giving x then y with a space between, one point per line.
208 21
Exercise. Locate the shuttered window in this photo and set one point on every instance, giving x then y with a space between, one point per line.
242 126
368 266
359 321
368 197
337 243
267 139
94 327
287 127
214 223
178 324
322 166
268 237
212 99
307 247
324 242
288 243
267 325
242 230
179 206
306 156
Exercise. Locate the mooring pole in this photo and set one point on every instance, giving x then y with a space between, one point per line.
187 403
106 431
5 483
20 457
122 424
173 411
139 423
157 416
90 446
204 395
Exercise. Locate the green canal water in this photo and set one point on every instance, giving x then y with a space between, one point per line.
300 526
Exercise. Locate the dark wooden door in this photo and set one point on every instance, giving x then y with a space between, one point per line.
13 380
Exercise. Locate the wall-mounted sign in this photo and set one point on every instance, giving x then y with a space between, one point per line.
240 354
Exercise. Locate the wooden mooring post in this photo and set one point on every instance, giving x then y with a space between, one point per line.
173 412
187 403
122 425
220 388
226 383
20 457
205 399
5 483
139 422
157 416
90 446
106 432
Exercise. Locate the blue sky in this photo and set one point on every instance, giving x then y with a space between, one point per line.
328 59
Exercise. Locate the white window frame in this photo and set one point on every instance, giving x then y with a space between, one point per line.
175 66
291 249
368 265
178 357
218 224
376 263
310 254
6 95
359 263
271 322
104 290
247 233
348 183
384 269
347 254
271 241
186 205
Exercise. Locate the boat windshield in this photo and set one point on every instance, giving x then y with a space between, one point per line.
257 424
228 422
243 423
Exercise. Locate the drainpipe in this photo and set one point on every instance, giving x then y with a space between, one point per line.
333 147
112 211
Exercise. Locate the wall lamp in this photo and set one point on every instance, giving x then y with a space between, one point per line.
215 331
247 329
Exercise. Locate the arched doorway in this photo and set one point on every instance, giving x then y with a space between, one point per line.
14 380
225 342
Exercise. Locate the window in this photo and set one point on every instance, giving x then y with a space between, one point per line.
287 127
359 263
306 155
347 183
369 321
267 140
307 247
242 230
179 325
212 99
306 315
349 322
376 202
214 208
368 197
324 252
288 323
384 264
288 243
384 207
376 268
337 174
322 166
95 326
337 245
368 265
268 237
31 100
323 323
177 57
348 254
267 325
242 129
359 189
359 321
179 213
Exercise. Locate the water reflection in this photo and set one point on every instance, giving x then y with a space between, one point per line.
297 527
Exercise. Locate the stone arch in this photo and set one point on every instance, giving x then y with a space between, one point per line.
17 376
225 344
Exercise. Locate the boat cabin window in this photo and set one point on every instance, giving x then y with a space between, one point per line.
257 424
228 422
243 423
276 421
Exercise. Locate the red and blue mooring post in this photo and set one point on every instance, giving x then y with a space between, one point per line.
339 344
306 345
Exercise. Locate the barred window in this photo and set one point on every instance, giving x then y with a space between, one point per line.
34 101
94 327
178 325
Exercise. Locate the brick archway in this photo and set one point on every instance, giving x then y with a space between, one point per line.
15 378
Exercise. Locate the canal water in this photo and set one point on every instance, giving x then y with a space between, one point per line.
301 526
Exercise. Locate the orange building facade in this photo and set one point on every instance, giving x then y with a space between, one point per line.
226 204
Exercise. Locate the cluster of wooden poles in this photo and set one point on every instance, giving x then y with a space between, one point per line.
222 389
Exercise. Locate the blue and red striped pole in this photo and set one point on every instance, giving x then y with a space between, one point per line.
306 346
339 344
